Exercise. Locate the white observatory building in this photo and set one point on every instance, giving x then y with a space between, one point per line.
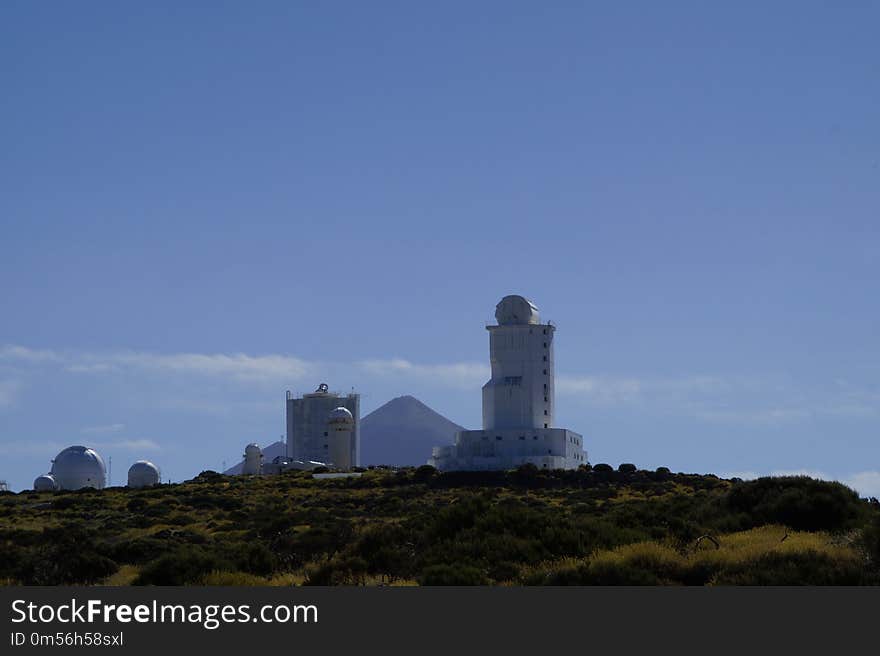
310 431
143 473
518 401
253 460
77 467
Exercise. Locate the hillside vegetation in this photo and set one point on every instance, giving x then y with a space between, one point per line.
417 526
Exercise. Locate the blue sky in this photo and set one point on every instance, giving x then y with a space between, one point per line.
206 204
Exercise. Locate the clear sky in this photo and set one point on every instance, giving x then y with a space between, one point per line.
204 204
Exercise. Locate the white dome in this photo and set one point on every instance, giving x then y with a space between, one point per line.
44 483
253 447
78 467
143 473
340 416
515 309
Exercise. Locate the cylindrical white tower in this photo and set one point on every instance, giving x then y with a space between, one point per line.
520 392
253 460
143 473
45 483
78 467
340 424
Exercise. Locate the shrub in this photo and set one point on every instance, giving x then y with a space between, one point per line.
627 468
602 467
181 567
339 571
424 474
800 502
663 470
452 575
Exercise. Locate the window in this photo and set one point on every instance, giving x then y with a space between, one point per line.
546 400
326 433
522 437
545 358
546 426
545 413
545 331
549 450
325 446
498 437
535 437
545 344
545 371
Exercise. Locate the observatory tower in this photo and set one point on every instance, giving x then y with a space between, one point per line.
341 438
309 429
253 460
518 401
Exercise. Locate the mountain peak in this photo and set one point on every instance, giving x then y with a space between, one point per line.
402 432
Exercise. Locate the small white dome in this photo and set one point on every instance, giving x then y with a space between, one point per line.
340 416
254 448
143 473
78 467
513 309
45 483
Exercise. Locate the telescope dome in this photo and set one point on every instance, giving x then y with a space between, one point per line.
77 467
514 310
45 483
340 419
143 473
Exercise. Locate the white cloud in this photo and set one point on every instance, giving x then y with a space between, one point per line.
604 390
51 448
457 374
99 430
748 400
128 445
237 366
22 353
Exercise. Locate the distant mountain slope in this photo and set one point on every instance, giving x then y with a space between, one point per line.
402 432
272 451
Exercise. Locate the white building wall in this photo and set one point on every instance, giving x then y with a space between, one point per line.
546 448
521 391
340 449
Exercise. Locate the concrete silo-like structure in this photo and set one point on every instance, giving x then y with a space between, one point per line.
340 424
253 460
308 431
143 473
77 467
